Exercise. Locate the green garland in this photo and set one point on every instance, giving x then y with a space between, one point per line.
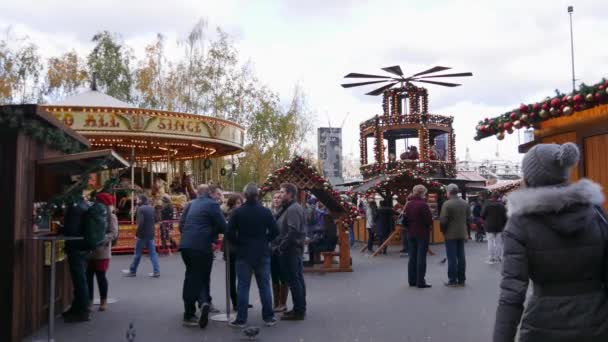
73 194
529 115
15 119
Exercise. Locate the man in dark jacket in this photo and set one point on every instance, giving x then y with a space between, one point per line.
385 222
419 220
77 261
555 237
494 215
251 228
200 225
290 244
145 238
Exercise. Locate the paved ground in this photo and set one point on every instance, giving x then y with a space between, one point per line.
373 303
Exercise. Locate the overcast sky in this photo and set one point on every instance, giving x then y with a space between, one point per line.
518 51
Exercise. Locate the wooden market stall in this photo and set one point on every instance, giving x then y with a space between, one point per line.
170 152
38 156
580 117
306 177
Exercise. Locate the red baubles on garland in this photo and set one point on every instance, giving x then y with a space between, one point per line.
529 115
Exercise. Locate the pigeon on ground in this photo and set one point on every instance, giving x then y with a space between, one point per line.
131 333
251 332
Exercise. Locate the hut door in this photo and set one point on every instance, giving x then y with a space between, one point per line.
596 160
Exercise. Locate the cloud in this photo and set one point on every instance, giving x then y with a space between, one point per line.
518 51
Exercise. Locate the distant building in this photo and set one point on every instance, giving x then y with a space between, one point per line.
330 153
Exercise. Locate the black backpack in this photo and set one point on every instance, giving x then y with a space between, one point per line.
95 225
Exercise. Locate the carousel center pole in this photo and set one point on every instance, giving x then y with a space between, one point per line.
132 185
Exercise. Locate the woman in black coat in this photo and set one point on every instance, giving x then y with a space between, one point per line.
555 236
385 221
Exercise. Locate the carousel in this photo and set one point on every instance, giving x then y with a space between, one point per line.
407 144
169 153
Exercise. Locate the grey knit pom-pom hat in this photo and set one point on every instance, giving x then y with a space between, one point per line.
549 164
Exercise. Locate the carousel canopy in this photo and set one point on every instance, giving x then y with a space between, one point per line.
150 135
93 98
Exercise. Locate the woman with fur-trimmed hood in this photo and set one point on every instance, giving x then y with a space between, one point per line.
555 237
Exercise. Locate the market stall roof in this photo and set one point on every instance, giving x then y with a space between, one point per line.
577 107
306 177
77 163
399 183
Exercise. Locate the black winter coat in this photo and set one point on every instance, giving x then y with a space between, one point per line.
494 215
554 238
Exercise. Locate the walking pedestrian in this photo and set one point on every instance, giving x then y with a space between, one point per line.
454 220
145 238
494 215
290 245
201 223
556 237
99 260
251 227
420 221
280 287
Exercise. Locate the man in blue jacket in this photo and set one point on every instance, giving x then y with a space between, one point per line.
200 224
251 229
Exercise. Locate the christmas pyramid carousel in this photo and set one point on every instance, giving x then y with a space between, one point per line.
426 141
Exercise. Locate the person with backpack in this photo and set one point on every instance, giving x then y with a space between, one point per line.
76 252
99 260
556 238
145 238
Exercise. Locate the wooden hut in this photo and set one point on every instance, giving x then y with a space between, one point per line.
305 176
581 118
36 160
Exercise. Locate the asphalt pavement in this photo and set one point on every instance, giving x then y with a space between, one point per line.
373 303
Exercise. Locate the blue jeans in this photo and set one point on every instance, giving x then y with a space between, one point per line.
291 265
139 249
261 270
351 235
416 268
456 261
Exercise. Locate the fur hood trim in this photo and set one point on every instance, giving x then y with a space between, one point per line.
553 199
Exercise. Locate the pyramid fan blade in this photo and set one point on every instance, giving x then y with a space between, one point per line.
462 74
381 89
350 85
357 75
431 70
440 83
394 70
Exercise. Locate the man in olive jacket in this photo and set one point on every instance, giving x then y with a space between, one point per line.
454 219
290 246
